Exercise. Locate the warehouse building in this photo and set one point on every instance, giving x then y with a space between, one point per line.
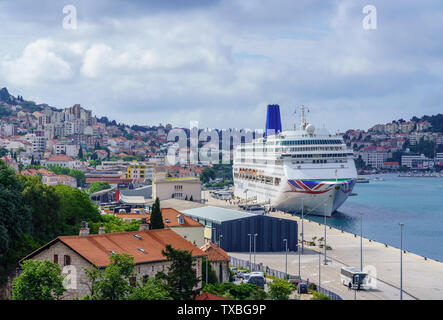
234 231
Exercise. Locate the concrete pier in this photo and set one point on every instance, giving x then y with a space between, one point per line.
422 279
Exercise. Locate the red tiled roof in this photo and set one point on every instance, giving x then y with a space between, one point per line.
168 214
60 157
215 253
209 296
98 248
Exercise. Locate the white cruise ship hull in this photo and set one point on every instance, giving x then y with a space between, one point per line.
316 196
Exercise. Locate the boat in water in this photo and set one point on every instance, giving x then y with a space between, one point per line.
307 168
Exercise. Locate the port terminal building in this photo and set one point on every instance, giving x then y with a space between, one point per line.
235 230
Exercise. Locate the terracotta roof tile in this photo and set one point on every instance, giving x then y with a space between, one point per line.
215 253
209 296
97 248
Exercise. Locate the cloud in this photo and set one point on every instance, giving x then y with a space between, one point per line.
38 63
220 62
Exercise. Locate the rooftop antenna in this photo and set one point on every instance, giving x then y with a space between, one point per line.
303 123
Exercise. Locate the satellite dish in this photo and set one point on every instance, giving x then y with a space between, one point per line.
310 129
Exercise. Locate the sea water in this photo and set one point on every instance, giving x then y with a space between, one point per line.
416 202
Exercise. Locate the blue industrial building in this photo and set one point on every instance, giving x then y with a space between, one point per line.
231 229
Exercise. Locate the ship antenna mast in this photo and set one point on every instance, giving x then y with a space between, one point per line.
303 118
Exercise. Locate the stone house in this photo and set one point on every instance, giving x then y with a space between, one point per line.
74 253
219 260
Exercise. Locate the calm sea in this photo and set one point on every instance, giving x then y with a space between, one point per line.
416 202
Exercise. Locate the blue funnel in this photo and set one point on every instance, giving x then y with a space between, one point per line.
273 121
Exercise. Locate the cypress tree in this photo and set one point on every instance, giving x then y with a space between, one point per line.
80 153
156 216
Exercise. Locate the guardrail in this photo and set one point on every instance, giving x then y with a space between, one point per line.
236 262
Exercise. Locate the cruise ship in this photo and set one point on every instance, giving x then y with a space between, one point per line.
305 169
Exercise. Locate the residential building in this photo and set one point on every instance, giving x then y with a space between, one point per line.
184 188
219 260
74 253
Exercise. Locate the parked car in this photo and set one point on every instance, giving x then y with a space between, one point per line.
294 279
246 277
241 273
258 280
302 288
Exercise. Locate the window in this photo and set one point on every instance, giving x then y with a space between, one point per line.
55 258
132 281
67 260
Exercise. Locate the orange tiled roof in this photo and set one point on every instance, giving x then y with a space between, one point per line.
168 214
209 296
60 157
215 253
97 248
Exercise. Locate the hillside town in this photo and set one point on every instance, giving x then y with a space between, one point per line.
406 145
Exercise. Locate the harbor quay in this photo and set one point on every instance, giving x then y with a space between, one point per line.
422 278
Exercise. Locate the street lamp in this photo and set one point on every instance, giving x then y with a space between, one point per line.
325 262
255 251
302 229
361 241
286 253
401 260
319 270
207 258
250 244
219 240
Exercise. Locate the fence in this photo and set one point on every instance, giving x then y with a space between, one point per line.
236 262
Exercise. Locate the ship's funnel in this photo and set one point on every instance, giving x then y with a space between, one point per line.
273 120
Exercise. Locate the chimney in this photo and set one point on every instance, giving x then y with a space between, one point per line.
101 230
144 225
84 230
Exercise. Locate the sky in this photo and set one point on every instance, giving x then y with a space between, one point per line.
220 62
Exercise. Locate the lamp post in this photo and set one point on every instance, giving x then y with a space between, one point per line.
401 260
207 258
325 262
250 245
361 241
319 270
302 229
219 240
299 262
286 254
255 251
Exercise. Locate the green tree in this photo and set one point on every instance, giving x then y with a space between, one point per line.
75 207
212 275
280 289
98 186
243 291
14 217
156 216
151 289
40 280
44 204
113 283
114 224
80 153
181 278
